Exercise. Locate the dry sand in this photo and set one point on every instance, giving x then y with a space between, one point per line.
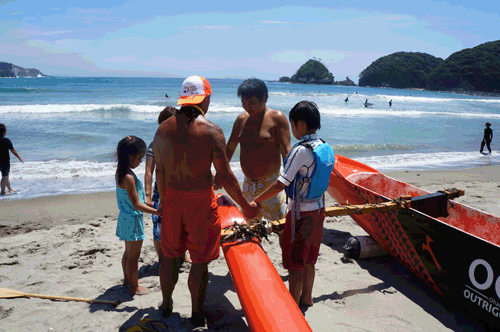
65 245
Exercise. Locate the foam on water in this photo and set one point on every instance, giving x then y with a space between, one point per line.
438 160
78 108
55 177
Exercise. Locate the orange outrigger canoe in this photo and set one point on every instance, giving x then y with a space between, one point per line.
266 301
452 247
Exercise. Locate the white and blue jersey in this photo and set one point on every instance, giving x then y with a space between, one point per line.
301 161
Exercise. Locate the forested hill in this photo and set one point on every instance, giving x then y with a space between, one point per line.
472 69
400 70
313 71
10 70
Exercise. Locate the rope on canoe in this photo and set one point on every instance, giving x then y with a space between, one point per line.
242 232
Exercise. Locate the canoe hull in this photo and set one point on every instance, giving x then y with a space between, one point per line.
266 301
461 267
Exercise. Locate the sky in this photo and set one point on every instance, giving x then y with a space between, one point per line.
263 39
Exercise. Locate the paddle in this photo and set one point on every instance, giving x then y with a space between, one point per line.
9 293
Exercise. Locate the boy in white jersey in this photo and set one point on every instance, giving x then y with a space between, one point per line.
305 177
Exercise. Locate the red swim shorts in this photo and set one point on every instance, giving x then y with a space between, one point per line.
191 221
304 249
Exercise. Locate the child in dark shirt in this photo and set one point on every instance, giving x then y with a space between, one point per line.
5 146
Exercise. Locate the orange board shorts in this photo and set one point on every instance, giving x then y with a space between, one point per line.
191 222
304 249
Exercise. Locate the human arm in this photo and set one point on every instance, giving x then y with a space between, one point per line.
158 145
225 174
231 146
271 191
148 179
283 134
129 185
14 152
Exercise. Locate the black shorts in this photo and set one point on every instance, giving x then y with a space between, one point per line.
5 168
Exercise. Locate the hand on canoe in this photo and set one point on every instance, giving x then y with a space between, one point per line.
251 211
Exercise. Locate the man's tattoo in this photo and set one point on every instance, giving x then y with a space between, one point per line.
219 149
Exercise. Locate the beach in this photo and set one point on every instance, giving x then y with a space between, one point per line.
65 245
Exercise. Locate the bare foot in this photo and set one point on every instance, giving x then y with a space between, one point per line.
198 321
127 284
305 303
166 310
139 291
12 191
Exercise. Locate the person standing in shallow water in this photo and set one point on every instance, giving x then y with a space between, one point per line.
264 136
5 146
487 138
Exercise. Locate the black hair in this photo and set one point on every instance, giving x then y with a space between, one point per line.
130 146
253 87
166 113
308 112
190 112
488 124
3 129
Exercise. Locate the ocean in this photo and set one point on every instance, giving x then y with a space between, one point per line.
66 129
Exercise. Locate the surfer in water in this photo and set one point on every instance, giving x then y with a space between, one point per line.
390 103
487 138
346 99
366 103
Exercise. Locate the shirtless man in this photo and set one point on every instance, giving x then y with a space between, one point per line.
185 146
264 135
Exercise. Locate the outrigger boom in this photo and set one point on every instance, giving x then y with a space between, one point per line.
431 204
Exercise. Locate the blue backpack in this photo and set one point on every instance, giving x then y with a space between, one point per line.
324 158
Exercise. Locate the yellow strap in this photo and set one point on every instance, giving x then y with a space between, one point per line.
198 108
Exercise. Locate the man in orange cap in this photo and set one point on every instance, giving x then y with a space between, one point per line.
185 146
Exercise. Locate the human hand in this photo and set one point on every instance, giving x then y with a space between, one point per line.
252 210
217 182
159 212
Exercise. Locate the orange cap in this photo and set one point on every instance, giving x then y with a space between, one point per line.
194 90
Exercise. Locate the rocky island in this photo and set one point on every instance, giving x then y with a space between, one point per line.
10 70
314 72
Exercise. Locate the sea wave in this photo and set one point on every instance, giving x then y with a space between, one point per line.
56 177
373 112
348 148
78 108
72 168
436 160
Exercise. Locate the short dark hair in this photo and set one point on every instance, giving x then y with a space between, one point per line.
306 111
488 124
3 129
166 113
253 87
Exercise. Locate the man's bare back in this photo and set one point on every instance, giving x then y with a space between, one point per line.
185 150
